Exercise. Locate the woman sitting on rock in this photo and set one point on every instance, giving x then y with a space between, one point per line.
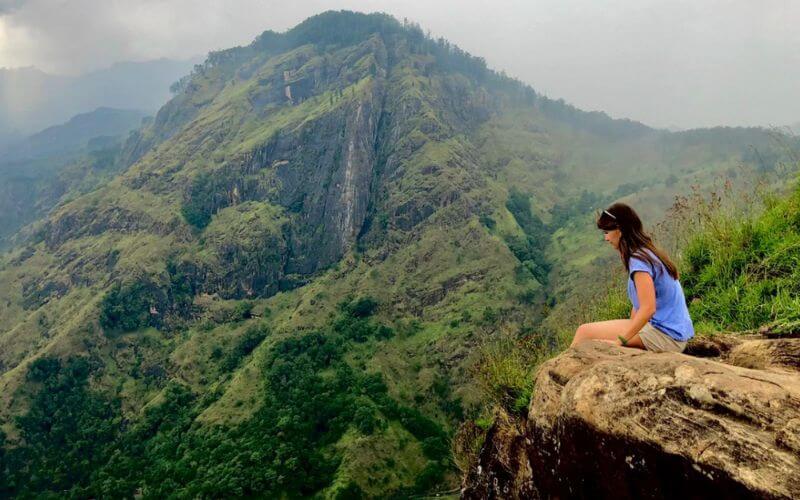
659 318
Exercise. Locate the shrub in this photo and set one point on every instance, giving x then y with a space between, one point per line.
467 444
384 332
360 308
132 306
364 419
200 202
246 344
505 372
431 476
487 221
350 492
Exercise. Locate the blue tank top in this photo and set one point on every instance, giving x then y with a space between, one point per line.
672 315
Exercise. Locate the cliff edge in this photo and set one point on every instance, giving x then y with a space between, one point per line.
722 420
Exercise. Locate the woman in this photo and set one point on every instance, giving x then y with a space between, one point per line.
659 318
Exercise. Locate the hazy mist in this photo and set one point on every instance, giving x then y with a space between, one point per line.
678 63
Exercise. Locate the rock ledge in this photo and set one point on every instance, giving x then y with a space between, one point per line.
607 421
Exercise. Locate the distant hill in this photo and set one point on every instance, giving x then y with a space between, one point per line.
74 134
31 100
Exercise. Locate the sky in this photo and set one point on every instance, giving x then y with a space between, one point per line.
667 63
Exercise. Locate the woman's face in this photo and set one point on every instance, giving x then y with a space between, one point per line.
612 237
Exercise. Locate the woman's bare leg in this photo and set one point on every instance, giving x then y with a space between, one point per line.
605 330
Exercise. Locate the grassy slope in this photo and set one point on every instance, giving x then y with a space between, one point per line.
742 268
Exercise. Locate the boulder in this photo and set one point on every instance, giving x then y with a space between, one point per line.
608 421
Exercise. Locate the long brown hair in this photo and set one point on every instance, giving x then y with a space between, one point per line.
633 241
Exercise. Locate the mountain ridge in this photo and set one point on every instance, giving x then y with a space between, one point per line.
75 133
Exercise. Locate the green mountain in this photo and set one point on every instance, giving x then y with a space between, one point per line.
284 286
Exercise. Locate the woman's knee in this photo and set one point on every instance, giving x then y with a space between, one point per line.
582 332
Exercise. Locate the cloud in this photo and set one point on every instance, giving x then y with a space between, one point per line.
682 62
70 36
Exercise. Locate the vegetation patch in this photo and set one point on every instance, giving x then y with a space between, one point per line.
313 397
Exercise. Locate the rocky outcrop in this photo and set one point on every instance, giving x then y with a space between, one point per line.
323 174
607 421
91 221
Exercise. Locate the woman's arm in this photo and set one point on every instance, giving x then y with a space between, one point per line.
646 293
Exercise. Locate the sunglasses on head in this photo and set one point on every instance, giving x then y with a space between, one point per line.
610 214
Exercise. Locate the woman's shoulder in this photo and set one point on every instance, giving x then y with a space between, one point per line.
648 258
645 251
642 254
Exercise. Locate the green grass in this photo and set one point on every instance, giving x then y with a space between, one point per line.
743 271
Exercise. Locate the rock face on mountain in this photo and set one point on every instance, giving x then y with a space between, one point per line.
607 421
